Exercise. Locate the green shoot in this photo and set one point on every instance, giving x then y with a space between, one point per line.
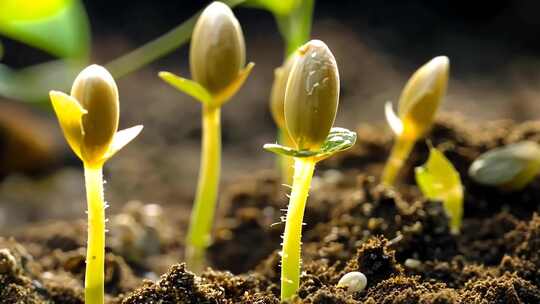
418 105
511 167
438 180
217 57
311 102
89 120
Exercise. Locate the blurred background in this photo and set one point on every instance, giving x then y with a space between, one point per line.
493 48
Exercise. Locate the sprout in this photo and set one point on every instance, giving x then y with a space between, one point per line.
511 167
217 56
354 281
311 102
418 105
89 121
439 180
218 51
277 108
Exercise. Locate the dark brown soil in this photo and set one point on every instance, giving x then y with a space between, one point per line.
397 239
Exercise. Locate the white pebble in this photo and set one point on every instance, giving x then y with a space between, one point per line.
354 281
413 263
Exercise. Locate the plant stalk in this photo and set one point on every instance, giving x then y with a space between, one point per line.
95 254
291 252
202 214
400 151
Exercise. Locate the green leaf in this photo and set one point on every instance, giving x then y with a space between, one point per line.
295 27
339 139
438 180
59 27
288 151
190 87
277 7
511 167
32 84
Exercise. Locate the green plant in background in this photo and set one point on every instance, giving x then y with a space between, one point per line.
217 58
58 27
311 102
418 105
438 180
510 168
89 120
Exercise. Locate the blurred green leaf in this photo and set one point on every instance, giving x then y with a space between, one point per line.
190 87
32 84
277 7
295 26
59 27
438 180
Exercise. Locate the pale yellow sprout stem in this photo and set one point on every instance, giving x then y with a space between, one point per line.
400 151
292 238
202 214
95 251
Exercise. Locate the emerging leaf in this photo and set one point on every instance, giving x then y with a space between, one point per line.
338 140
122 138
190 87
393 120
224 95
439 180
69 112
511 167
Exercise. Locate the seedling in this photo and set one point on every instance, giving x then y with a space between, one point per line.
438 180
311 102
511 167
277 108
418 105
89 120
217 58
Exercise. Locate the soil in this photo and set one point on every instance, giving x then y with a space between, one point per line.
400 241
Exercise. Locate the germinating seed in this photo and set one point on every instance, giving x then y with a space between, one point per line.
354 281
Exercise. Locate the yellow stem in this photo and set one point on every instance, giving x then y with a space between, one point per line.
291 253
95 254
202 214
399 154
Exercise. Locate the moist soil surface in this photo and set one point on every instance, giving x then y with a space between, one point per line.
400 241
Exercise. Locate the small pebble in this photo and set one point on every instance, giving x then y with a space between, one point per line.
354 281
413 263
